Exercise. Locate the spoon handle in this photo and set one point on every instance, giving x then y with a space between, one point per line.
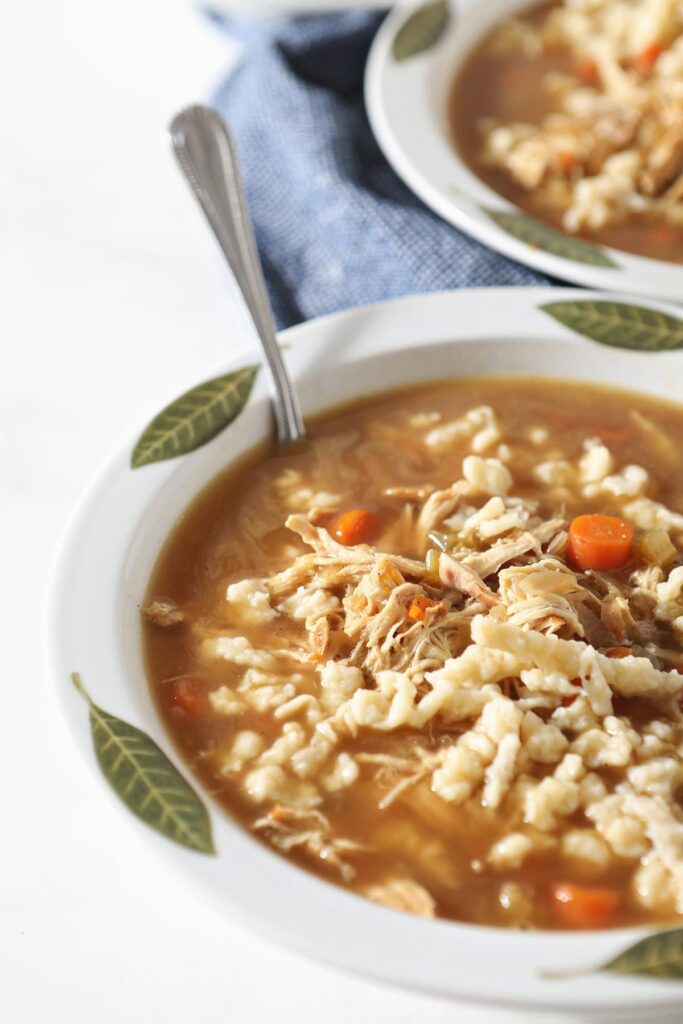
207 156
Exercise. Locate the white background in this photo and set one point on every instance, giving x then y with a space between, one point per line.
111 302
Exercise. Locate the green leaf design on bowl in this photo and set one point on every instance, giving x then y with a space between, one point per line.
657 956
421 30
540 236
194 418
620 324
145 780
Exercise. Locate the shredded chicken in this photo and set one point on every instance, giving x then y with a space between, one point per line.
514 682
290 829
460 577
163 613
403 894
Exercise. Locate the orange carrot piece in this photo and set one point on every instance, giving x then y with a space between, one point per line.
189 695
647 58
279 813
663 233
587 71
599 542
582 906
356 526
619 652
418 608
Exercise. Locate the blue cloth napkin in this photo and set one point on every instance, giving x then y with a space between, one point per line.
335 226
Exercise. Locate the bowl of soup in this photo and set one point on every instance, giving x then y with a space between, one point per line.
550 131
414 683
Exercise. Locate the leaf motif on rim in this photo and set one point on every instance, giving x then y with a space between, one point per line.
620 324
540 236
657 956
145 780
421 30
194 418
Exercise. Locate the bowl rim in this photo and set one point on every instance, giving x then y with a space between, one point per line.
401 95
301 897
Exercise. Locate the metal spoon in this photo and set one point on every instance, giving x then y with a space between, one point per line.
207 156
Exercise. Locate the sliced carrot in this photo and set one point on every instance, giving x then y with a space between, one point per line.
279 813
417 610
647 58
587 71
663 233
568 160
619 652
356 526
189 695
599 542
582 906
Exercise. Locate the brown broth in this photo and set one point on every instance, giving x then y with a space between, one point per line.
509 88
234 530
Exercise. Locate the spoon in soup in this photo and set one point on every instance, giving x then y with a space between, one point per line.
206 153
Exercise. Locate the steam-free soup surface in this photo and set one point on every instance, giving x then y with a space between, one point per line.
431 686
573 112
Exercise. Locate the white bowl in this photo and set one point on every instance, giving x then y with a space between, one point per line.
93 628
407 103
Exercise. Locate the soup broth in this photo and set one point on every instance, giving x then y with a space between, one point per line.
306 624
559 113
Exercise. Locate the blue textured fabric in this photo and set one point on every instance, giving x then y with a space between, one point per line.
335 226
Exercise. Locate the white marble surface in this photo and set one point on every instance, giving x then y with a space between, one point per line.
111 301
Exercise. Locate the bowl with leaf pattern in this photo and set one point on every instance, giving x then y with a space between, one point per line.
413 63
94 637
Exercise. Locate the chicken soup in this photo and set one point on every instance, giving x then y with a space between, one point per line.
433 653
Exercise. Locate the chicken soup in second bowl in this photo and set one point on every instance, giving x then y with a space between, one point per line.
574 112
